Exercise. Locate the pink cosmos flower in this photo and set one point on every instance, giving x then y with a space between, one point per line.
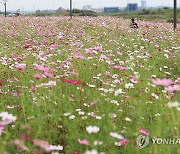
53 45
20 66
98 48
88 51
50 75
7 118
42 68
119 53
121 67
144 131
109 74
17 93
133 79
93 103
78 55
92 114
20 145
42 144
46 146
172 88
44 42
162 82
83 142
117 81
33 88
14 55
41 53
38 76
122 142
104 57
113 115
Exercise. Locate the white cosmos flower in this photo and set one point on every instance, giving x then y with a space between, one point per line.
93 151
81 113
117 92
72 117
116 135
155 96
98 117
128 119
67 114
173 104
92 129
56 147
129 85
98 142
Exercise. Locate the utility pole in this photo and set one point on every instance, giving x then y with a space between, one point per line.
71 13
5 8
175 14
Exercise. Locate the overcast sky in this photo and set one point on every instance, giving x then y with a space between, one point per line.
31 5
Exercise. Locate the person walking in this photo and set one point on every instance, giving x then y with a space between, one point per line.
133 24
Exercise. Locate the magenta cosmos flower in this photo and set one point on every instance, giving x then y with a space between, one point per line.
74 82
83 142
144 131
122 142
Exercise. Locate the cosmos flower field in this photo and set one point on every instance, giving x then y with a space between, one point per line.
87 85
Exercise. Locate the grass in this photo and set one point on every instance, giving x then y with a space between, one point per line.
40 112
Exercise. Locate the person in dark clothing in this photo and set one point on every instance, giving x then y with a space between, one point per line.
133 24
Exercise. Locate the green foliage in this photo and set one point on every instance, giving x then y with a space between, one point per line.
88 14
144 12
84 12
166 8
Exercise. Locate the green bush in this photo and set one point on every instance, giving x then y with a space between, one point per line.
82 11
144 12
166 8
88 14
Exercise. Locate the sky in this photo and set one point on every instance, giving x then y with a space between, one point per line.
32 5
